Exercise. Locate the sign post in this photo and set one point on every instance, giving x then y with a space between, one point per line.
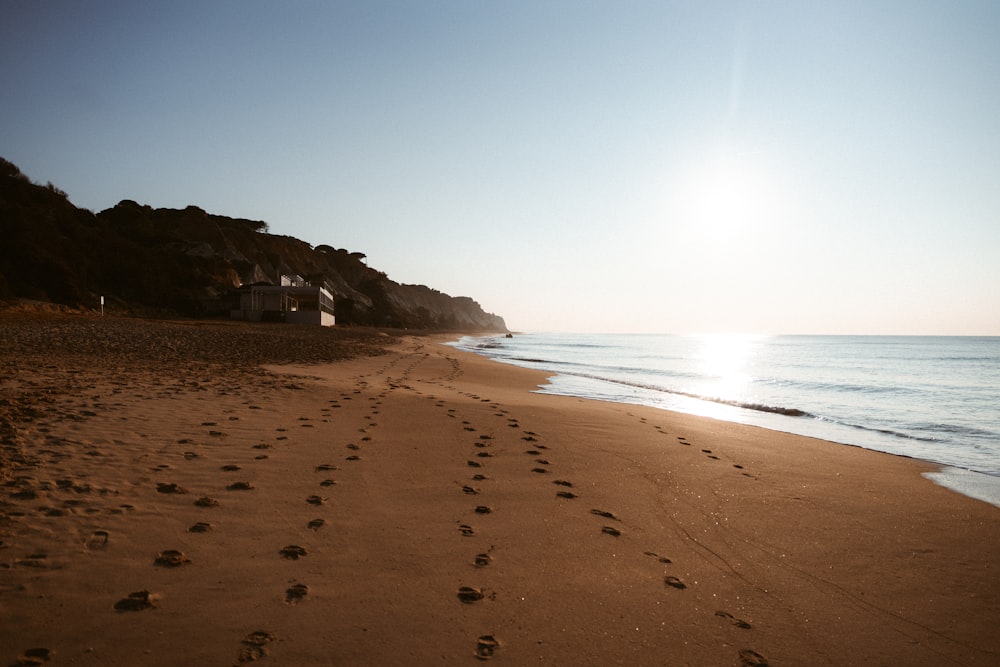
102 306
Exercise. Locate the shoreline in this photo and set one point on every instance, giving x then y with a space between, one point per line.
952 475
425 505
972 484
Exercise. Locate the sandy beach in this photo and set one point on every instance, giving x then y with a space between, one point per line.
220 494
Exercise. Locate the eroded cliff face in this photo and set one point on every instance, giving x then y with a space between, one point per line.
188 262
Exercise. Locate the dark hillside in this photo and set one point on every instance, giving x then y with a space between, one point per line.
188 262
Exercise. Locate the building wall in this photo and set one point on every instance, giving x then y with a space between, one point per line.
319 317
312 305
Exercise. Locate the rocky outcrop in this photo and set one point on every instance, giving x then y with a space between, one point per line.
189 262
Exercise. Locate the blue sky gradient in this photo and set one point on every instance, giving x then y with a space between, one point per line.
761 167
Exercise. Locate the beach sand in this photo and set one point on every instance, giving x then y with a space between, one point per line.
172 494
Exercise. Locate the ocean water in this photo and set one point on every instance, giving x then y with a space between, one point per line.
930 398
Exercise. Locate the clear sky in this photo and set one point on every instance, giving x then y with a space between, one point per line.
687 167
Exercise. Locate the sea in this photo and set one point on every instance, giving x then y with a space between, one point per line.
925 397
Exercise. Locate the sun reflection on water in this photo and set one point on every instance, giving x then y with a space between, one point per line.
726 361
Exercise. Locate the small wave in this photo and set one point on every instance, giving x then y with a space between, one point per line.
883 431
844 388
746 405
955 429
776 409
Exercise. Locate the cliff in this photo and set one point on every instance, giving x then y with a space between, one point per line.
188 262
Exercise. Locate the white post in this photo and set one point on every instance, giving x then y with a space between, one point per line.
102 306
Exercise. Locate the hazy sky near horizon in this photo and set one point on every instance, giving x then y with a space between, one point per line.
685 167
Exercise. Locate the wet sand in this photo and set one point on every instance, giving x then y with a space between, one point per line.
219 494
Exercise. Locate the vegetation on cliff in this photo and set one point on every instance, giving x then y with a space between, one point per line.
189 262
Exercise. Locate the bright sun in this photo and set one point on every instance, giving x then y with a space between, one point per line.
729 196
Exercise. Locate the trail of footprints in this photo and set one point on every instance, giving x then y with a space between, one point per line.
541 464
255 645
56 452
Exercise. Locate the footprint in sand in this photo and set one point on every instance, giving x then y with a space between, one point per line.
328 482
315 500
608 530
540 471
562 482
674 582
171 558
750 658
206 501
164 487
484 559
98 539
606 515
240 486
293 552
316 524
137 601
230 468
566 494
466 530
468 490
325 467
486 647
36 560
483 509
738 622
658 557
33 657
296 593
255 645
200 527
469 594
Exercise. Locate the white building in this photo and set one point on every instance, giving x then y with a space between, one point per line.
293 301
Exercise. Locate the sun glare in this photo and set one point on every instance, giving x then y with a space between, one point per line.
730 196
725 359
